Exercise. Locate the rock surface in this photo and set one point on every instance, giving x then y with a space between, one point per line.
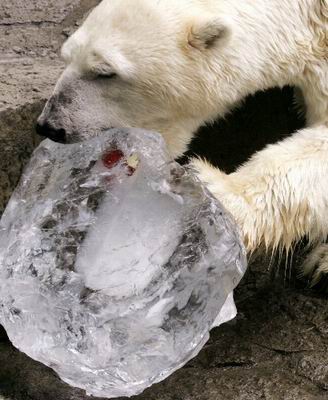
277 347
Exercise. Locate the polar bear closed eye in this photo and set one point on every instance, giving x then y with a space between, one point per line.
171 66
140 63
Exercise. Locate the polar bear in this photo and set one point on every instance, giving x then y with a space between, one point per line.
171 66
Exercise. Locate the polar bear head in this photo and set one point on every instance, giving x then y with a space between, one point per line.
150 64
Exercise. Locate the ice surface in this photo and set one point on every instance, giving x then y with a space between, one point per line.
115 262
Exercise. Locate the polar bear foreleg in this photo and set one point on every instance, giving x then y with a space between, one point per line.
280 195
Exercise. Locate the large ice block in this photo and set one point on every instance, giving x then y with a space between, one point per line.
115 262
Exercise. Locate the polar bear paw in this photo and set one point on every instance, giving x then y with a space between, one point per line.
315 268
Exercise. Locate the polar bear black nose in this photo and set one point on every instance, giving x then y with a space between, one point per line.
45 129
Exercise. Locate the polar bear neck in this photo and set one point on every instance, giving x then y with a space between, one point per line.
273 42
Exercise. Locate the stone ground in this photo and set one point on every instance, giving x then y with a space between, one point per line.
277 347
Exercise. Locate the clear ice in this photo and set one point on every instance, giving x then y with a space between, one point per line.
115 262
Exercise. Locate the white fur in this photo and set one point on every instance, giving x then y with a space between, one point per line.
316 264
181 64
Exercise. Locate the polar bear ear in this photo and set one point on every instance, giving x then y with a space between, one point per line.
207 34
